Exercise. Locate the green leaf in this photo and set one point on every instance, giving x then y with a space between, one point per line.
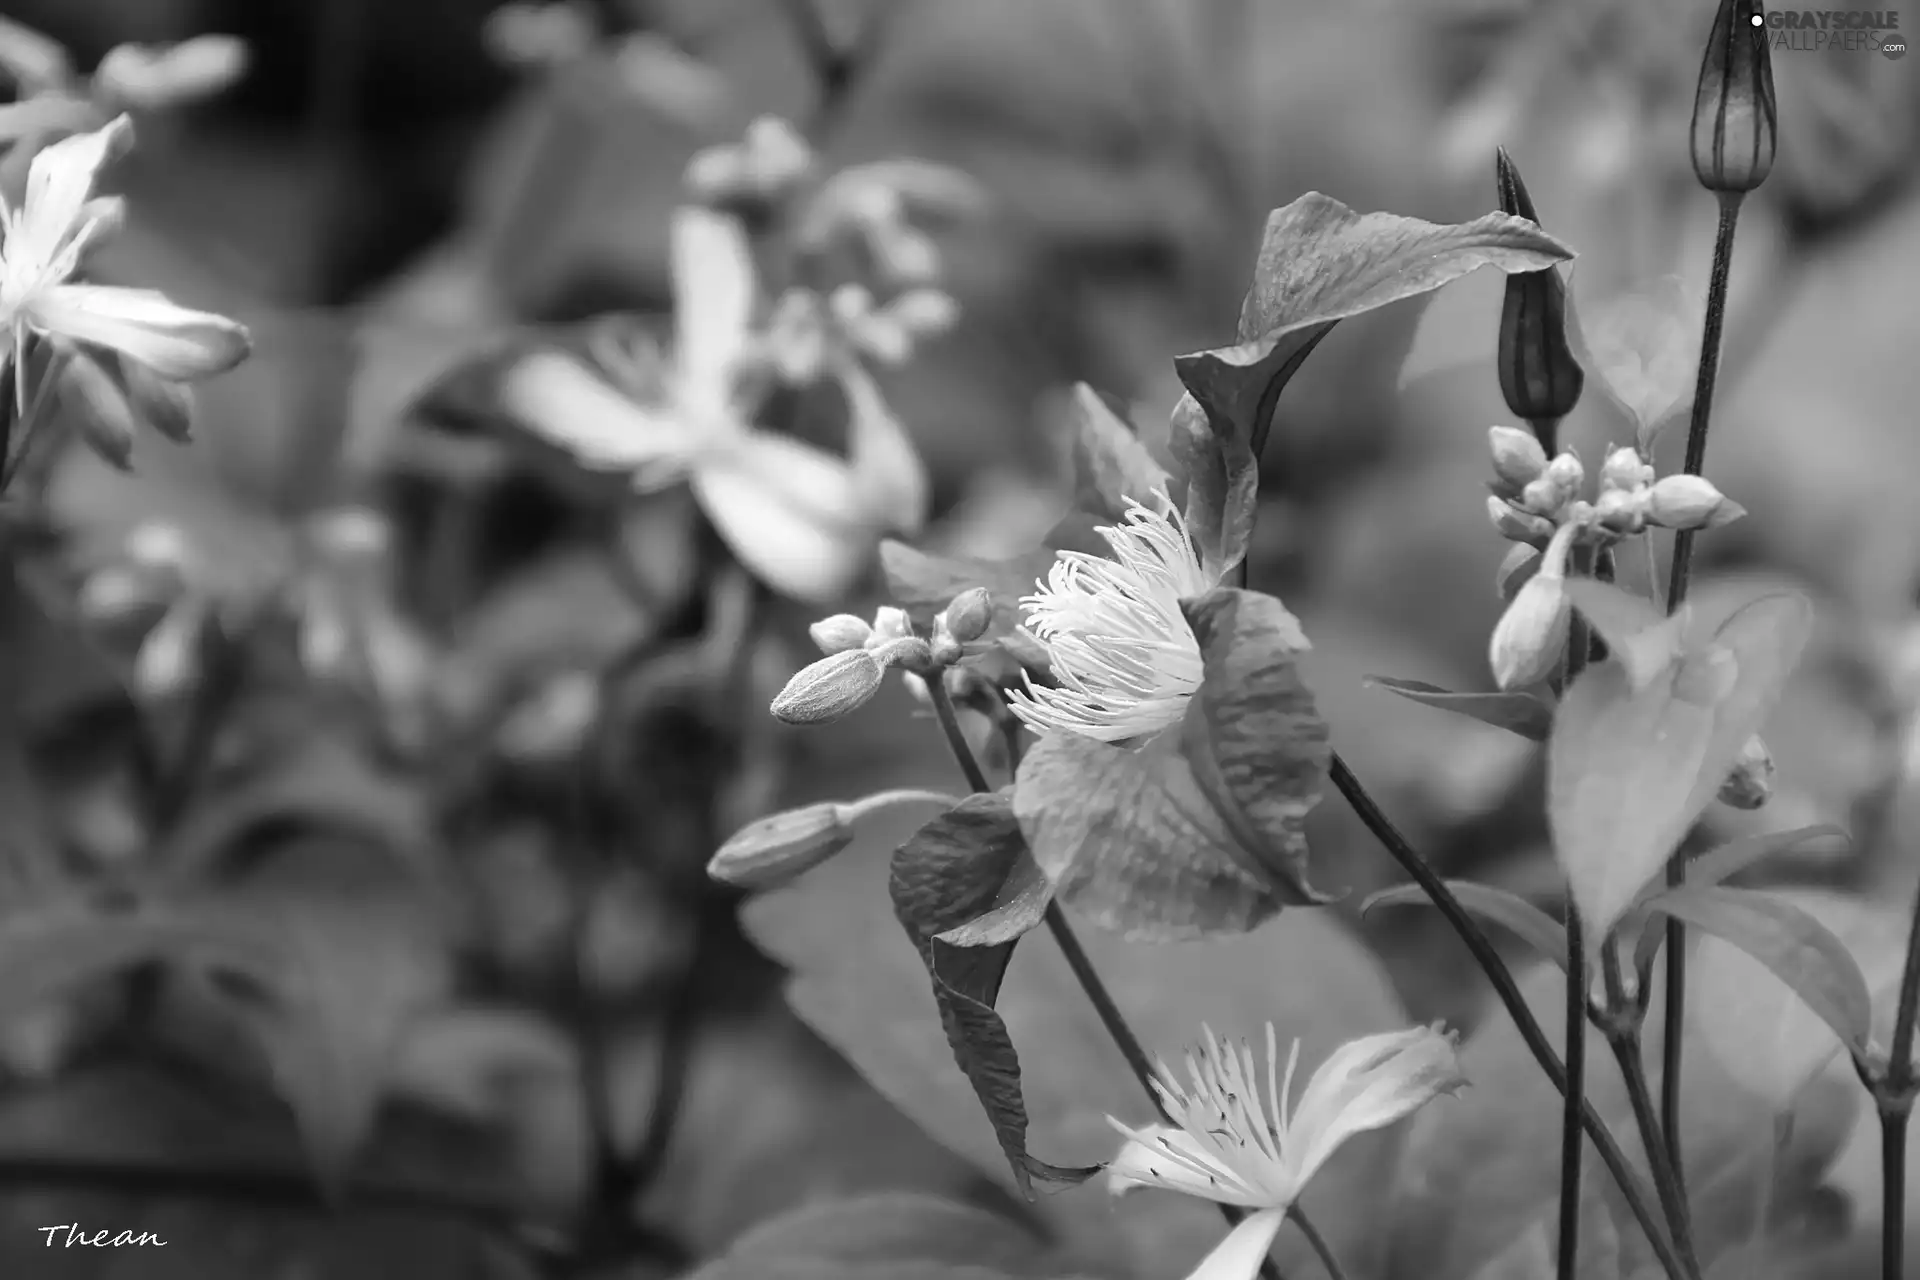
1638 635
890 1233
1520 713
1717 865
1510 911
53 947
1644 343
1319 263
1110 463
361 960
859 983
951 871
1630 769
1795 947
1199 830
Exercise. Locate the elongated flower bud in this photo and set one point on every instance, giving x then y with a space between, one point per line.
1690 502
830 688
841 632
1539 376
775 849
1516 525
968 614
1734 117
1532 634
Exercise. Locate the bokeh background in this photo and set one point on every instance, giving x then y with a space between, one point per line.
384 195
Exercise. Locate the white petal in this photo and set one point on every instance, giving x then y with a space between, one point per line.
789 533
1239 1256
59 181
1169 1158
176 342
557 399
713 294
886 465
1368 1084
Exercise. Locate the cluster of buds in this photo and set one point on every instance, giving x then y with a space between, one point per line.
131 77
769 164
860 653
808 337
1534 496
161 593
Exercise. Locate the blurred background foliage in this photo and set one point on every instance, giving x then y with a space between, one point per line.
383 198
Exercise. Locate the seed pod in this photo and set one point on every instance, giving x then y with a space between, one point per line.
1734 117
1539 376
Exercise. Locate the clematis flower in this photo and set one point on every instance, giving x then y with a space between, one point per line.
803 520
45 238
1125 659
1232 1144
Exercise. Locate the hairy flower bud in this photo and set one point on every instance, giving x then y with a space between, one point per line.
1518 458
773 850
1690 502
1542 497
828 689
1516 525
1620 511
889 624
1625 469
1734 117
910 653
1567 475
1531 635
840 632
1539 376
968 614
1750 784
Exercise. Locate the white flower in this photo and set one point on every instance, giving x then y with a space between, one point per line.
45 238
1120 648
802 519
1231 1144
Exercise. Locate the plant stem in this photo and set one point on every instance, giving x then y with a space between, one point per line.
1675 1023
1893 1191
1572 1150
1893 1093
1632 1187
1084 973
1622 1030
1320 1245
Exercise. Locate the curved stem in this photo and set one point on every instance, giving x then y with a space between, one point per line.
1675 1022
1320 1246
1098 996
1572 1149
1621 1027
1632 1187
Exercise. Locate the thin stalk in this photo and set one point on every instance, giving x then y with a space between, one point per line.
1675 1024
1320 1246
1632 1186
1622 1031
1893 1097
1115 1022
1893 1191
1572 1151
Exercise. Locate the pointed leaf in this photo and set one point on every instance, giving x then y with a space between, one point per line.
1200 829
949 872
1110 463
1496 906
1795 947
1520 713
1223 481
901 1232
1644 345
1630 770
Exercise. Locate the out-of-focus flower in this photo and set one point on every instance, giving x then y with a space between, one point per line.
801 519
157 595
874 205
541 35
1243 1140
552 723
151 77
34 62
1125 659
45 239
767 164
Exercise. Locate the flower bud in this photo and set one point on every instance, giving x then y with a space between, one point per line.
1624 469
841 632
1620 511
1517 525
1542 497
1690 502
828 689
773 850
1518 458
1734 117
968 615
1531 636
909 653
1567 475
1750 784
1519 566
165 406
1539 376
145 78
943 650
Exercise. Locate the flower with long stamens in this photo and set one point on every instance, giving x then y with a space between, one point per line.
1123 656
1239 1137
58 220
